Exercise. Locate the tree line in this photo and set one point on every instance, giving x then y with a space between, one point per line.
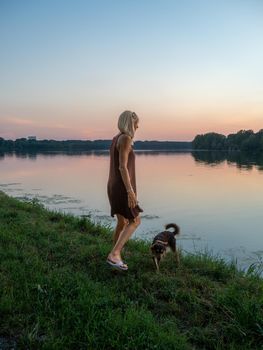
243 140
23 144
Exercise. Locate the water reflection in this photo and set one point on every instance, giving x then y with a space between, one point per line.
34 155
241 160
98 153
215 197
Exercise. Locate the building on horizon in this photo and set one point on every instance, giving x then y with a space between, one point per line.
30 138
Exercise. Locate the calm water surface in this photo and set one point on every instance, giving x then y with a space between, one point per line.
216 199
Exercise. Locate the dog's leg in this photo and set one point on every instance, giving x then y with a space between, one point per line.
176 253
156 263
177 258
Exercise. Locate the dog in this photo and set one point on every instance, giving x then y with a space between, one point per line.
162 243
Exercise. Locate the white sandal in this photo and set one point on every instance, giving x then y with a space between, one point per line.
120 265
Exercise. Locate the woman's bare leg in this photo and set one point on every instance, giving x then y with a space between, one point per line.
115 254
121 224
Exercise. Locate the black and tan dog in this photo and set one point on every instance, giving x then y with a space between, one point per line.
163 242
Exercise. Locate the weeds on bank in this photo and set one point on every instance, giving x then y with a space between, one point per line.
58 293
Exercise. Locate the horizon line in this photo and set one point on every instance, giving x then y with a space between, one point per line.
27 139
34 137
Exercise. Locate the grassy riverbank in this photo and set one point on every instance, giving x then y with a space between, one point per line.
58 293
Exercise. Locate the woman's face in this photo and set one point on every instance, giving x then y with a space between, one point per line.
136 124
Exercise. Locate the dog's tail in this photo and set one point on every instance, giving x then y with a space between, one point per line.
175 227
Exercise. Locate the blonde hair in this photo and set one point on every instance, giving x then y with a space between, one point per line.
126 123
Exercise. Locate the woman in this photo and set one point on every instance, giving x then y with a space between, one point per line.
122 187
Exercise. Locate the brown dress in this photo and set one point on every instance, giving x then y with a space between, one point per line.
117 193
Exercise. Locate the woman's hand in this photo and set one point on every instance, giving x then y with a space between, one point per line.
132 200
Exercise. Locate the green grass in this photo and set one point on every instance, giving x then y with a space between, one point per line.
56 291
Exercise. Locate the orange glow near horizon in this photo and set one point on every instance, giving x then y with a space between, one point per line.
183 125
182 69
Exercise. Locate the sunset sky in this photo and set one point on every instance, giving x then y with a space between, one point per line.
69 68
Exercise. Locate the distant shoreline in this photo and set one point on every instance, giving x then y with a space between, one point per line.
243 140
77 145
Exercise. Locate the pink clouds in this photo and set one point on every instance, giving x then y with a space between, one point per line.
151 127
12 128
